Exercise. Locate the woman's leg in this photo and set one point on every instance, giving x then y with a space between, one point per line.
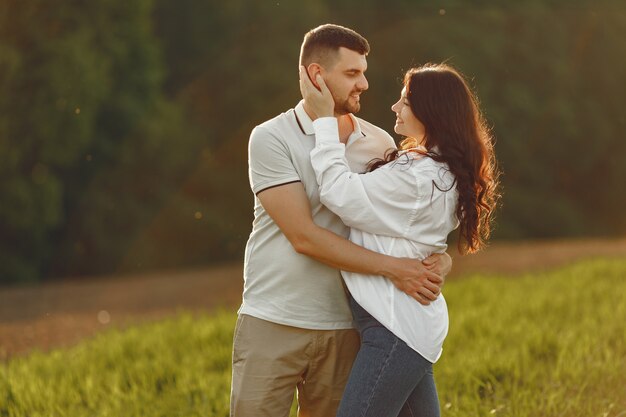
385 374
423 401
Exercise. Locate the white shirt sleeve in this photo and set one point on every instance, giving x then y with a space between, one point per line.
382 202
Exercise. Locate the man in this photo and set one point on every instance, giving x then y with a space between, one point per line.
295 328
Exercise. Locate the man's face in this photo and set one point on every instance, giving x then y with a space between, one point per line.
346 80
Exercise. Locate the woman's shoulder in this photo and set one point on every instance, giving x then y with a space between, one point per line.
425 167
418 158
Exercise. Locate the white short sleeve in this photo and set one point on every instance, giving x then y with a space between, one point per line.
269 160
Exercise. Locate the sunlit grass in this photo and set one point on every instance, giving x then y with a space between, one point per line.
550 344
177 367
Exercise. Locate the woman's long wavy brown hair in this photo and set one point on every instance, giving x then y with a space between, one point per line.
456 134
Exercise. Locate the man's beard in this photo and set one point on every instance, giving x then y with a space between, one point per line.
346 107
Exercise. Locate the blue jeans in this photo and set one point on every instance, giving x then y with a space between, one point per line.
388 378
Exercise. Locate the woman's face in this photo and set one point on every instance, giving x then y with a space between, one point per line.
406 122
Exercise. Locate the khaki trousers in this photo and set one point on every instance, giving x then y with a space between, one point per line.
271 361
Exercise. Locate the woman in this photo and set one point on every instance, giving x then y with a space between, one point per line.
443 177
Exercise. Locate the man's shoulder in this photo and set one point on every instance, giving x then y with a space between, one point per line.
274 130
277 123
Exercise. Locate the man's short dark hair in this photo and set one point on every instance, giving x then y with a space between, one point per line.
322 44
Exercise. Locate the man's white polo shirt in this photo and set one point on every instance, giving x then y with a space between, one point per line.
281 285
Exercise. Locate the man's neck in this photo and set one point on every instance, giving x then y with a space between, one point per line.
344 121
346 127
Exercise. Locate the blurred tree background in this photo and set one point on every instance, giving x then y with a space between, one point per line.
124 125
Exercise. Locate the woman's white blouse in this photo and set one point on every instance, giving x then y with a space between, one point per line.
404 209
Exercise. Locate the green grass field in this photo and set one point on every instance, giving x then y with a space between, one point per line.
549 344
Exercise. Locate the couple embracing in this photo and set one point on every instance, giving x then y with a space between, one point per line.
345 262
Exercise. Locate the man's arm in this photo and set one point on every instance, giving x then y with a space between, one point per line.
288 205
439 263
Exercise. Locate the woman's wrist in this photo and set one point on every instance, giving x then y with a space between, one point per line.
326 130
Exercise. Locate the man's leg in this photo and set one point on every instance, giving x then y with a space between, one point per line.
268 362
331 356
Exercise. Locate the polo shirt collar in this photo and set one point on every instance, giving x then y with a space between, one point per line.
306 123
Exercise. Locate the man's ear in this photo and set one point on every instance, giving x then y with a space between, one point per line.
314 69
